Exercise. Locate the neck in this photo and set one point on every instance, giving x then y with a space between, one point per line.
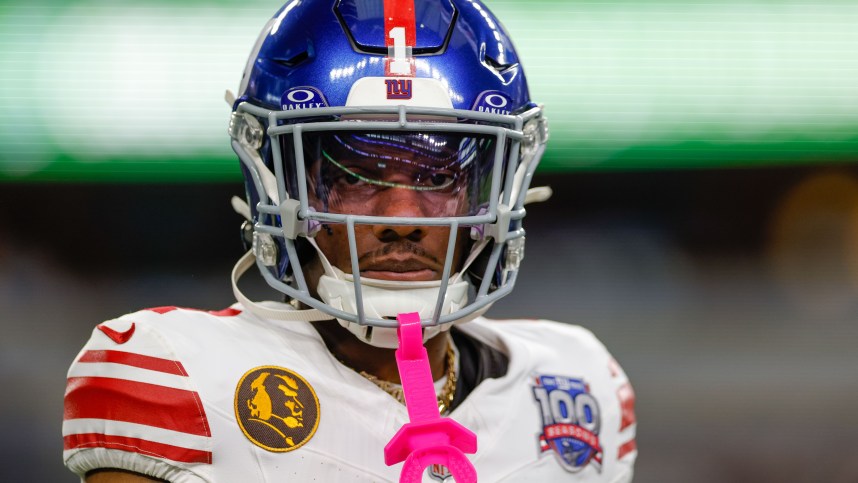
377 361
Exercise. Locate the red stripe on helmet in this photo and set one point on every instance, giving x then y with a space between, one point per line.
400 13
135 402
399 17
136 445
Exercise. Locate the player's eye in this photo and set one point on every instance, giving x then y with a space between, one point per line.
347 172
438 180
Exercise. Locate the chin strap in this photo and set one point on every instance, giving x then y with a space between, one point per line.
287 315
538 194
244 263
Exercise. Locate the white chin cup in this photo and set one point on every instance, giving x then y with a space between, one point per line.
387 299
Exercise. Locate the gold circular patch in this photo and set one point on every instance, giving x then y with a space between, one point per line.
276 408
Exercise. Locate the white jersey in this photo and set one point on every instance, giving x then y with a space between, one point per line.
192 396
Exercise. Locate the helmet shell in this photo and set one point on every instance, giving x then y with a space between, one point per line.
330 45
330 56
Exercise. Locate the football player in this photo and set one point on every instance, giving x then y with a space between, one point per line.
388 148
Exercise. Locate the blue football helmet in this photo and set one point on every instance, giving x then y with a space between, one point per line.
343 103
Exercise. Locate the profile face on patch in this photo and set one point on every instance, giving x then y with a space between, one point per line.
276 408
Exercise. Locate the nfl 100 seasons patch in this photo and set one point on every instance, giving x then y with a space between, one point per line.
571 421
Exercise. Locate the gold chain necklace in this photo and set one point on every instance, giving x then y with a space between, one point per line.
448 392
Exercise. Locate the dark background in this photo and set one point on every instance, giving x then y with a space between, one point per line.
730 297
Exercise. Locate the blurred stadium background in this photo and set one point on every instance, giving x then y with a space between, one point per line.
704 158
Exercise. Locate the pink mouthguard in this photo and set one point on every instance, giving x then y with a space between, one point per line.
427 438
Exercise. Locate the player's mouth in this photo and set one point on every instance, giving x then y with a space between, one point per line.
406 269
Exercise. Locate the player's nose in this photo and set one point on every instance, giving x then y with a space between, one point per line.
400 203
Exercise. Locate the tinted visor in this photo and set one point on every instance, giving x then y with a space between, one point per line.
363 173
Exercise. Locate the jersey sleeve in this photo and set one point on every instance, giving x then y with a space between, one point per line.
619 424
627 448
130 404
603 398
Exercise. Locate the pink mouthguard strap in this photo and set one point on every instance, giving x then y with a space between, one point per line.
427 438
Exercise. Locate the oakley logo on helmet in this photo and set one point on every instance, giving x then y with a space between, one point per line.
494 102
497 101
303 97
398 88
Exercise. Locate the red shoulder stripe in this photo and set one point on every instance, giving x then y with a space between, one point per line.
135 402
626 448
626 395
142 446
227 312
137 360
162 310
614 367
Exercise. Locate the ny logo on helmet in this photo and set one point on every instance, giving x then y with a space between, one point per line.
398 88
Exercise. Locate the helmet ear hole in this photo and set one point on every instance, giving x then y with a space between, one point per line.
247 235
304 250
477 269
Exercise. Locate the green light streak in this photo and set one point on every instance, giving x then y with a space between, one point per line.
95 90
